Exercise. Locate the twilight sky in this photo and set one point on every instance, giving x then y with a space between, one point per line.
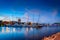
49 10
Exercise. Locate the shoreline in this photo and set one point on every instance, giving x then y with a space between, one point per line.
53 37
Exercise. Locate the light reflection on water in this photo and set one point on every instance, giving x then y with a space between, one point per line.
2 29
13 29
12 32
7 29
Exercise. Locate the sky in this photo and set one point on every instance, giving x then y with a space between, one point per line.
49 10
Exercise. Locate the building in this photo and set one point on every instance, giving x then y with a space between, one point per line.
0 22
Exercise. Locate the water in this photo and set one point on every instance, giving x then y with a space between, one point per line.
12 33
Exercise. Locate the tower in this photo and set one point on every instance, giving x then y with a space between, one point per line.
19 21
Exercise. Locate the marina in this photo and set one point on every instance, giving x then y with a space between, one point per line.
29 19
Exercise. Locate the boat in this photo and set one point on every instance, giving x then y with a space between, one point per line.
38 26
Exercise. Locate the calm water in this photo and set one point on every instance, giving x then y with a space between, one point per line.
11 33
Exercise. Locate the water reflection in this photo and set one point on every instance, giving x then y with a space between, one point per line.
2 29
7 29
26 29
28 32
14 30
31 29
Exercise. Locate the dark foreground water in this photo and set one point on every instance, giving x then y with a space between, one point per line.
11 33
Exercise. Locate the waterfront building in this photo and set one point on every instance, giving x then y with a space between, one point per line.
0 22
56 24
